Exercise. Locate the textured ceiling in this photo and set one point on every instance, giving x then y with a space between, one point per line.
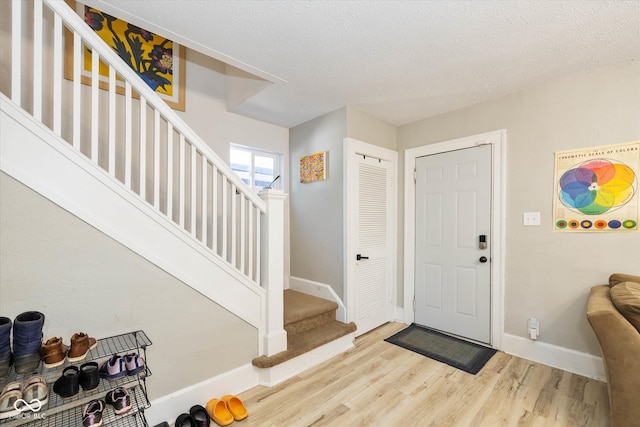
400 61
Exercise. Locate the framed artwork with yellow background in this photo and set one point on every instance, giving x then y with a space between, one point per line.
157 60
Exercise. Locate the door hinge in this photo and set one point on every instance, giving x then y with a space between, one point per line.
414 304
415 176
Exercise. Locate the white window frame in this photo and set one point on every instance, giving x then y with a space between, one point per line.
277 164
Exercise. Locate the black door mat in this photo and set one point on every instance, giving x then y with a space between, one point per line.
464 355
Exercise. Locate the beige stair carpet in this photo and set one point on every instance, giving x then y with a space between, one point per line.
310 322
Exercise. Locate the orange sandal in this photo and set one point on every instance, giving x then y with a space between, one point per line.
236 407
217 410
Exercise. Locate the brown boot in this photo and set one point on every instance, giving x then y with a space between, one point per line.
54 352
81 343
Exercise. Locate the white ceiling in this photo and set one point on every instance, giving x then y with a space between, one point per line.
400 61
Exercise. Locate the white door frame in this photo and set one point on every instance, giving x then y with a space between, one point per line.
498 140
351 148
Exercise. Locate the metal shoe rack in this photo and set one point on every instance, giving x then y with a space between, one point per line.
59 412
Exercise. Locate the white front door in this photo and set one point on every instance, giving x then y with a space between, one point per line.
371 240
453 220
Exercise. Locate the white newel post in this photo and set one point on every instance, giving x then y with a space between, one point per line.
272 270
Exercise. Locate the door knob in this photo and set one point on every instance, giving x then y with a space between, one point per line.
483 259
359 257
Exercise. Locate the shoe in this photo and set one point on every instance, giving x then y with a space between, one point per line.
219 413
67 384
5 345
36 392
134 363
200 416
27 339
113 368
11 400
236 407
89 377
92 413
185 420
81 343
120 400
54 352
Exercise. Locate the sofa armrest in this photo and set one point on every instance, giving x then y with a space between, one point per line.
620 344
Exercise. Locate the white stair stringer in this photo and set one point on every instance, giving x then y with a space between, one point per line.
32 154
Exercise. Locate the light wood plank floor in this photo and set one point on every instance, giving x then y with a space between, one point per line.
380 384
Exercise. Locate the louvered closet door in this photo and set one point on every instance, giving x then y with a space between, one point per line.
373 302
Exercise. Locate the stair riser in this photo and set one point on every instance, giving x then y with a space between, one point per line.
310 323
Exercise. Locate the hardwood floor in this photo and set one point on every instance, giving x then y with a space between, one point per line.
380 384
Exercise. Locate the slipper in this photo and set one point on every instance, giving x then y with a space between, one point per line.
185 420
217 410
236 407
36 390
200 416
9 397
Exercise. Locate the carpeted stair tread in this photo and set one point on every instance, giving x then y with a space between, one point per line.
299 306
301 343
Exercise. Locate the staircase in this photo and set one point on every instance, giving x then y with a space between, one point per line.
128 165
310 323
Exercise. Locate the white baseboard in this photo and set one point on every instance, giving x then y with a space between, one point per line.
399 315
168 408
563 358
320 290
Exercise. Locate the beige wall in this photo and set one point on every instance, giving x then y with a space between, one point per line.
207 114
548 275
82 280
374 131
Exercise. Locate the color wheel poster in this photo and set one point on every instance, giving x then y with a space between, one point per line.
596 189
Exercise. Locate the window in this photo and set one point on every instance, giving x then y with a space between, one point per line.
256 168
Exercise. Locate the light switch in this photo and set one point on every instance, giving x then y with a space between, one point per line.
531 218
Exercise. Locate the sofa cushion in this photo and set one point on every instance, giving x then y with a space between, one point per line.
617 278
626 298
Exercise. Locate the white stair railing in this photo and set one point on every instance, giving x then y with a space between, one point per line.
136 138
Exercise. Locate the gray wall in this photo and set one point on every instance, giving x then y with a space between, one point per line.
316 215
316 209
548 274
82 280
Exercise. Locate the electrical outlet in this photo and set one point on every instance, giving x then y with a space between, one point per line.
531 218
533 326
